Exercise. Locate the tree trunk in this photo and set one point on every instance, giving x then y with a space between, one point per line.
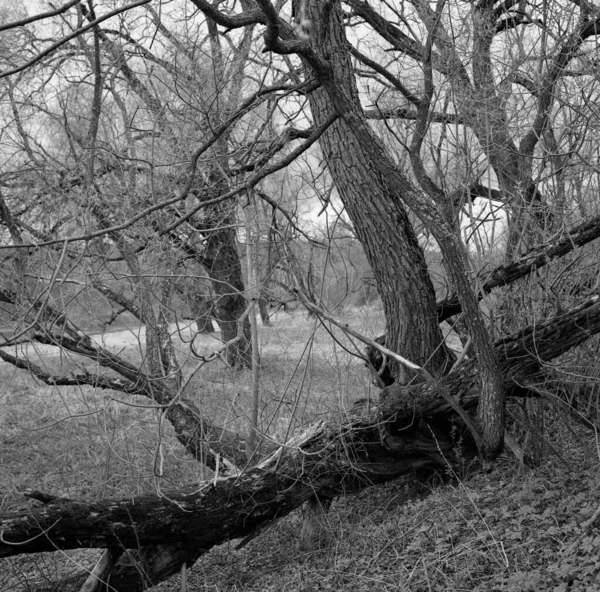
374 204
411 428
334 70
221 260
263 307
202 312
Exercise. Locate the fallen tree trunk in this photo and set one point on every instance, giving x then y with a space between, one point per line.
540 256
410 429
503 275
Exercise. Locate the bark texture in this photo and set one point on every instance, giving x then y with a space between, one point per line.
411 428
374 204
331 63
508 272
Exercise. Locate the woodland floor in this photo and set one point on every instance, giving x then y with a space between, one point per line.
514 529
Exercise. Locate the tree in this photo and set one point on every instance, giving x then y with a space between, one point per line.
471 122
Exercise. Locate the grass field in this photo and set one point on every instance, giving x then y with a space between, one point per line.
514 529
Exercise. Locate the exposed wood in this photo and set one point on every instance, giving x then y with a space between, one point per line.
99 575
409 429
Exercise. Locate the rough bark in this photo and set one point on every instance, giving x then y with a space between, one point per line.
509 272
538 257
230 304
333 68
480 104
411 428
374 204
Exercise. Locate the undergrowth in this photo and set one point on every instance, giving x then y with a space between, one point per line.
514 529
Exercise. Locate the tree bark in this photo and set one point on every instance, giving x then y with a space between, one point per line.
511 271
374 204
329 459
202 311
537 257
221 260
333 68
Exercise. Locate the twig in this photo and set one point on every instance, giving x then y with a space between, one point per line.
587 526
76 33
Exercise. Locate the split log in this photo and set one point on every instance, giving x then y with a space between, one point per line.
408 430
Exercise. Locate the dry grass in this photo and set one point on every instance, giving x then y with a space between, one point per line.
82 442
510 531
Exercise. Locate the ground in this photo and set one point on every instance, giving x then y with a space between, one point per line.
513 529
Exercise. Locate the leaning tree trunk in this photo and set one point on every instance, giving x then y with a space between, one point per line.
375 207
331 63
508 272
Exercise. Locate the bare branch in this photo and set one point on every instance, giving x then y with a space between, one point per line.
68 38
245 18
538 257
95 380
545 94
38 17
395 81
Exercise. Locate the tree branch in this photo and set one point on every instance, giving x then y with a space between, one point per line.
38 17
245 18
95 380
68 38
538 257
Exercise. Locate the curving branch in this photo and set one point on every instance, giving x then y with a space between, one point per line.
247 17
68 38
392 34
38 17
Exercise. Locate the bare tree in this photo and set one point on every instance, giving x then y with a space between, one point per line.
419 110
